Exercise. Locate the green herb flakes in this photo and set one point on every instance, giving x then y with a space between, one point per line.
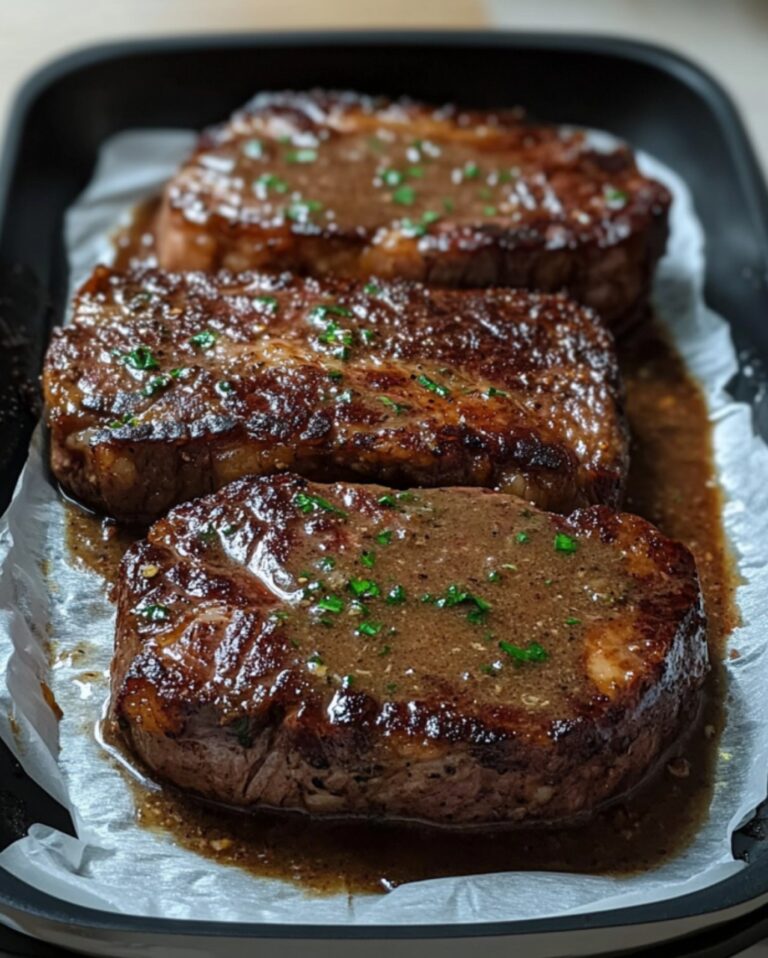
302 155
384 537
532 653
204 340
269 303
139 358
156 612
364 588
370 629
522 538
368 559
306 503
397 408
396 595
565 543
404 195
331 603
443 391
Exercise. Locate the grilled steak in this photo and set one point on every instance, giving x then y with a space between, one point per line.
451 655
328 183
168 386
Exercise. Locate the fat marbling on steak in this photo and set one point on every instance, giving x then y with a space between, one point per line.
167 386
449 655
337 183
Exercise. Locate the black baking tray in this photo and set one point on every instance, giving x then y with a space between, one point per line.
652 97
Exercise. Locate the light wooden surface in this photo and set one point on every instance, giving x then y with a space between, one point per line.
34 31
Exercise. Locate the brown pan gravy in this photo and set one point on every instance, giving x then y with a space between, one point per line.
672 483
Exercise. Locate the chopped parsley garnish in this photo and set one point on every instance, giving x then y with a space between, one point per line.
368 559
533 653
301 156
384 537
254 149
331 603
391 687
335 335
615 198
396 407
203 340
139 358
307 503
327 563
448 205
493 392
396 595
522 537
471 171
336 375
156 613
208 534
242 729
388 501
564 543
301 210
404 195
126 420
270 181
572 620
367 335
392 177
384 651
268 302
224 388
428 217
279 615
494 576
229 530
319 313
405 496
490 210
348 681
369 628
156 384
371 289
315 659
455 595
443 391
415 172
364 588
178 372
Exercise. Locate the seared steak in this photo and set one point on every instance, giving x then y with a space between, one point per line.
329 183
168 386
451 655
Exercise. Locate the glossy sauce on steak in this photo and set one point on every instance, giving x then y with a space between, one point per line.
167 386
448 655
336 183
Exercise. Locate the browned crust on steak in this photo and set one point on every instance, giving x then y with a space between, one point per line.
242 693
324 378
508 203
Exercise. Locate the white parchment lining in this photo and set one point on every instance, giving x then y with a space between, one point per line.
118 866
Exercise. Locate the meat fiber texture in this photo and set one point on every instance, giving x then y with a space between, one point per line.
112 854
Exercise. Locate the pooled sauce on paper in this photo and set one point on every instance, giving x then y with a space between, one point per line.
672 483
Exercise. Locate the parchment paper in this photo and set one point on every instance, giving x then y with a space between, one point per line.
116 865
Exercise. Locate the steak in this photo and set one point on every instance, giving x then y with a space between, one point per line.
168 386
337 183
448 655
